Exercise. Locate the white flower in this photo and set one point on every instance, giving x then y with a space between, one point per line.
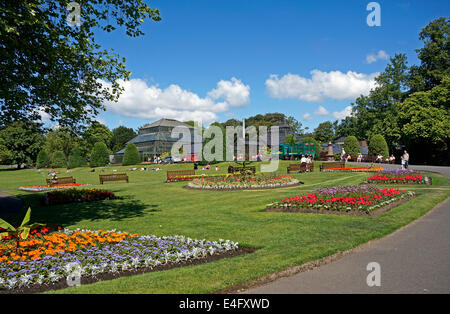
25 279
11 284
40 279
135 262
54 277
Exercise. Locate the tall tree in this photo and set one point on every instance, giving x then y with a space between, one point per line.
97 132
60 139
434 56
290 140
377 112
22 142
424 118
324 132
49 64
296 126
120 136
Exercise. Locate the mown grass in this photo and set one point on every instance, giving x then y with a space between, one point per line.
150 206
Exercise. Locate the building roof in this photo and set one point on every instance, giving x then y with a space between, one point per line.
166 122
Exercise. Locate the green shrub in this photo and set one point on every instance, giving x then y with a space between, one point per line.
99 155
76 159
59 159
131 155
42 161
351 146
378 145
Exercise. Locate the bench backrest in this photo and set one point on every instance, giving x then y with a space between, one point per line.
113 177
179 173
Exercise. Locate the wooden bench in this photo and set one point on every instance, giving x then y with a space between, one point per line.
301 167
232 169
61 180
332 164
113 177
176 174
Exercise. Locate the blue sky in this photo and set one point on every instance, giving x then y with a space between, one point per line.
214 59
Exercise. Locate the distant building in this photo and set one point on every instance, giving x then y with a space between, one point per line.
156 139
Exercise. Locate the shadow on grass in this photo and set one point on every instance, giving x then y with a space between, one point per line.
69 214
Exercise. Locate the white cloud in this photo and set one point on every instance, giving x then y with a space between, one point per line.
321 85
307 117
45 117
234 92
381 55
321 111
346 112
100 120
140 100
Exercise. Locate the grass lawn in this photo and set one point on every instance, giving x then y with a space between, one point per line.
151 206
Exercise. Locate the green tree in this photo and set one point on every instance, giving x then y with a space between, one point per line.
131 155
51 66
378 145
290 139
42 161
5 153
324 132
377 113
99 155
76 159
424 119
59 159
60 139
434 56
120 136
97 132
21 141
296 126
351 146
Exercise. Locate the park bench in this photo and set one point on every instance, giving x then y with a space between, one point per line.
332 164
113 177
61 180
301 167
232 169
174 175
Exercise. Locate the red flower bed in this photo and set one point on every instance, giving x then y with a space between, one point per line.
414 178
343 199
37 232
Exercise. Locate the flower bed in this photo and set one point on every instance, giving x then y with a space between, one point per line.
352 199
40 188
398 176
76 195
49 258
354 169
240 182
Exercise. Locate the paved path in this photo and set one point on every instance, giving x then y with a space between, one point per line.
414 259
9 205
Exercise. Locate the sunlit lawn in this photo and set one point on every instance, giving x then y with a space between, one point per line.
150 206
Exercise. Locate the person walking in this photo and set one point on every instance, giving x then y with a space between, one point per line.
406 159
